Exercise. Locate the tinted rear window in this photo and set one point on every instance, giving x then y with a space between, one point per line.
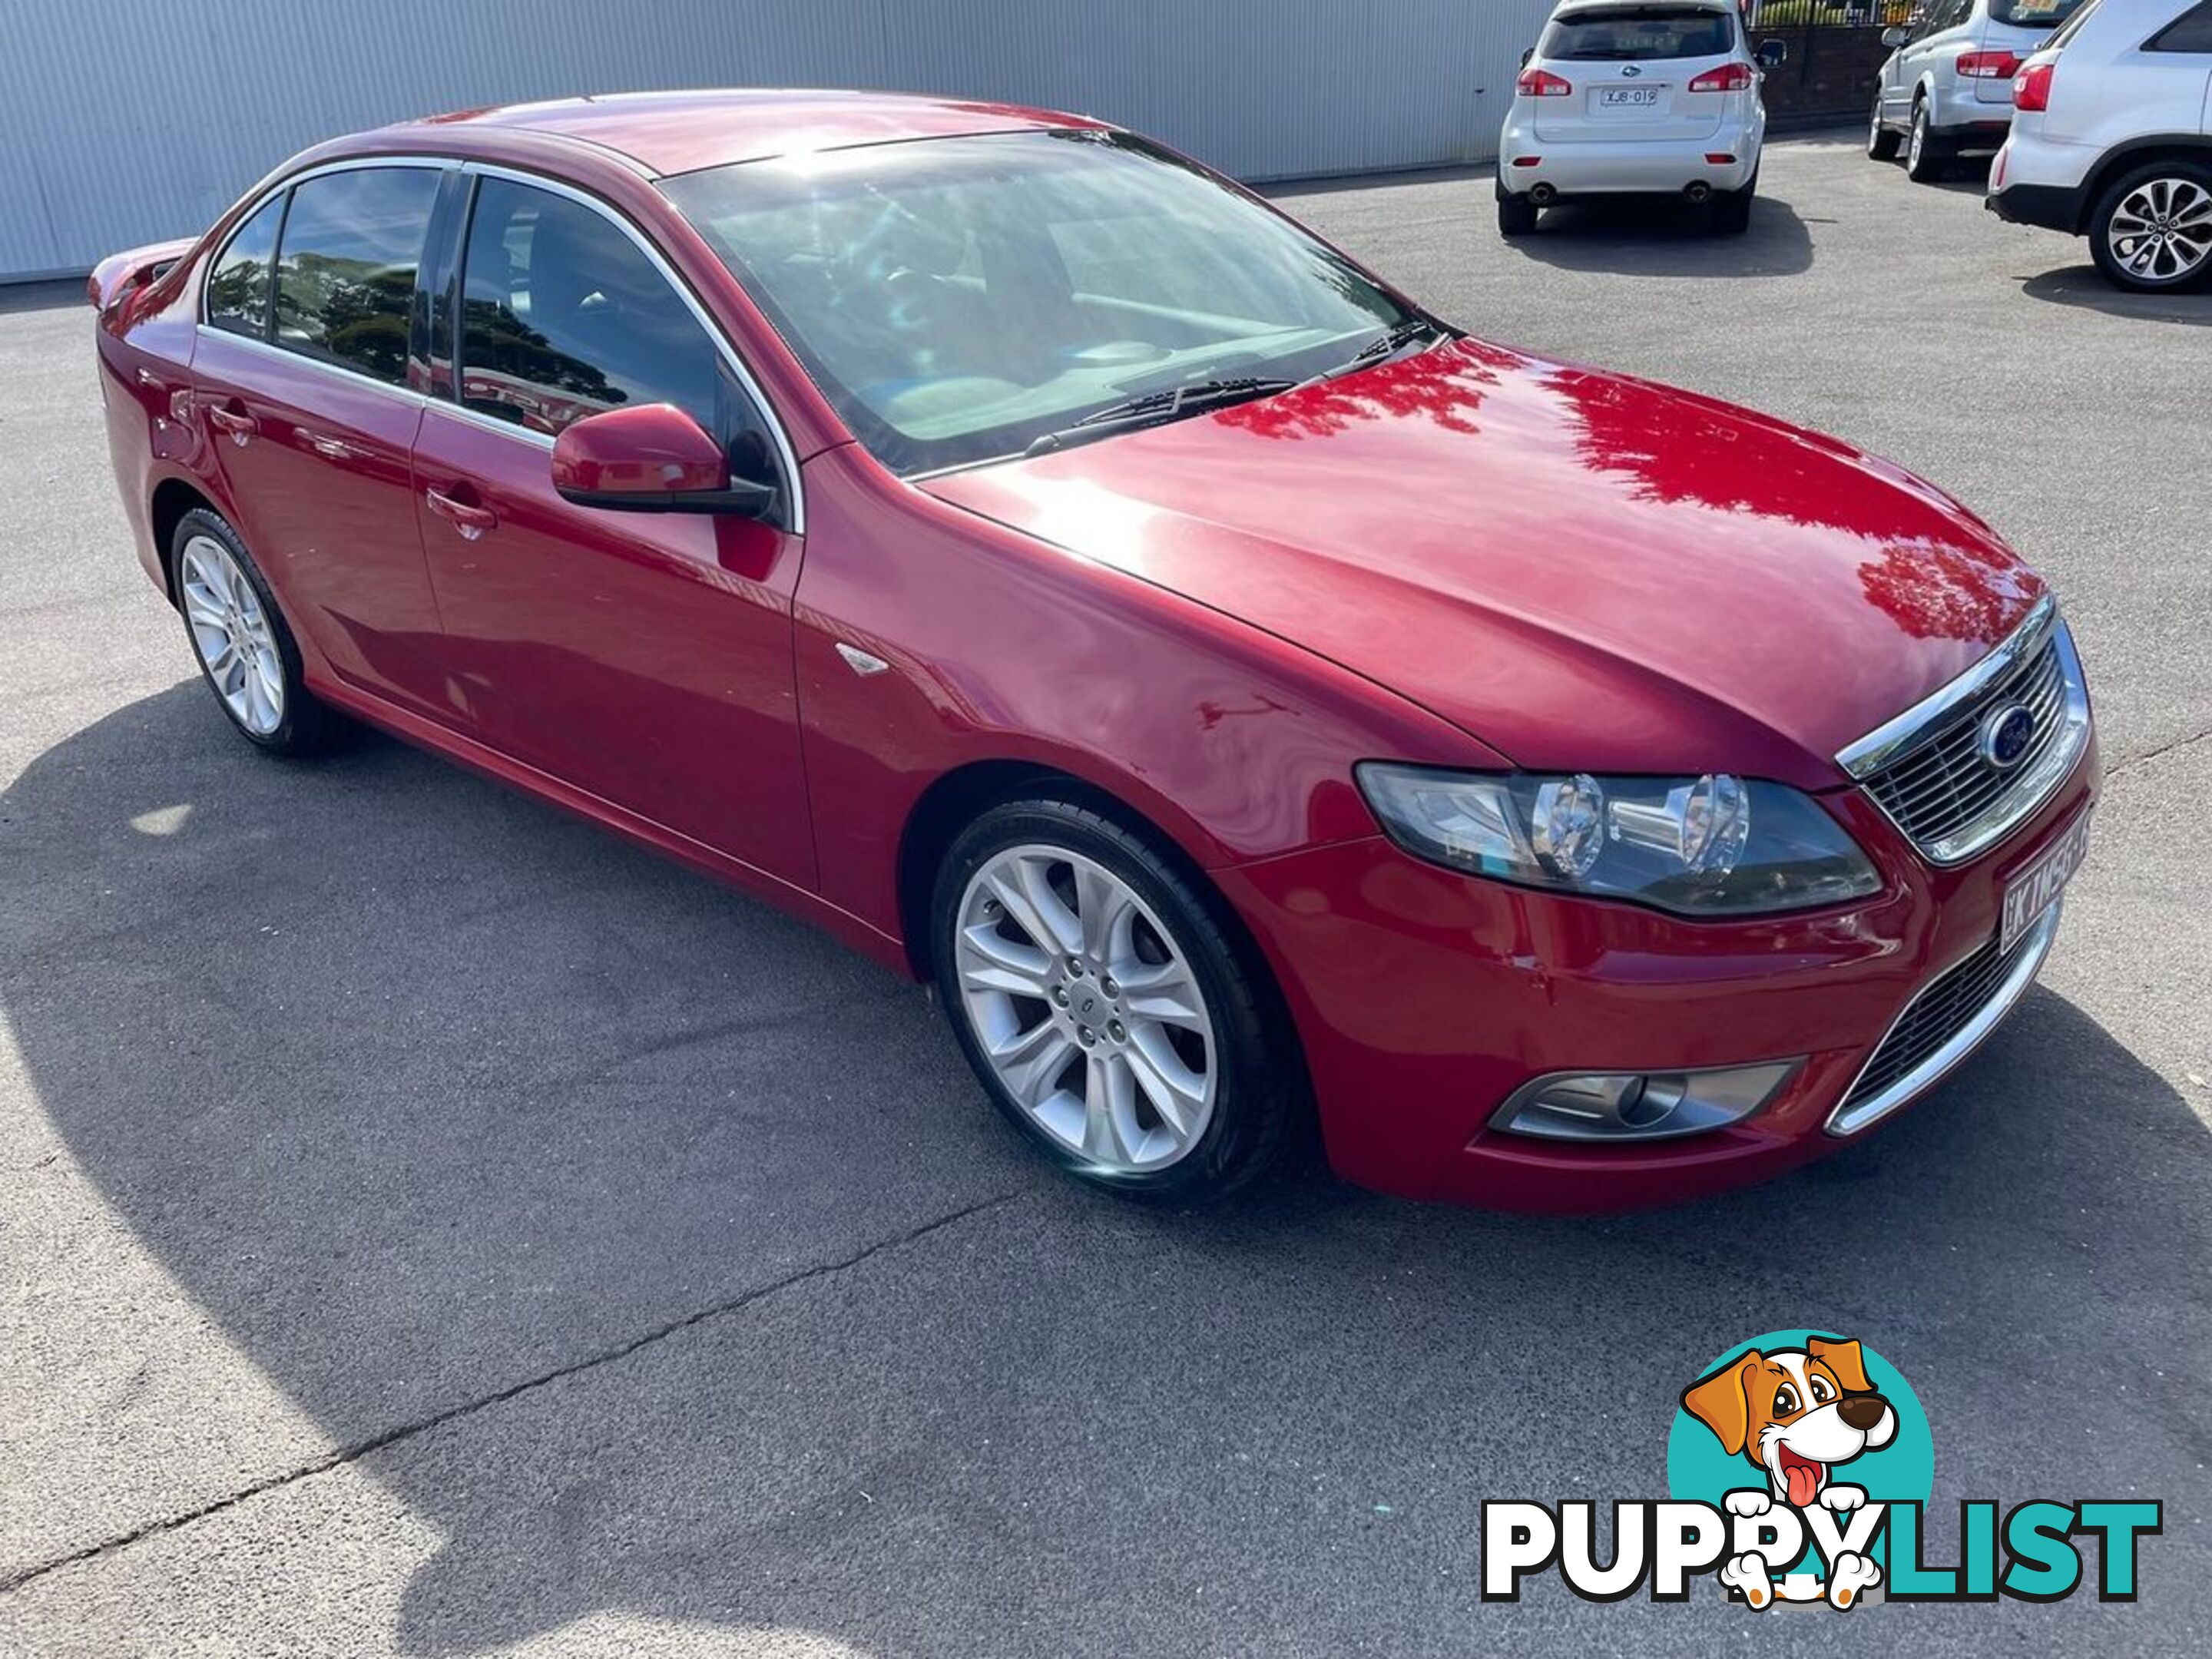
238 292
345 274
1638 35
2191 31
2033 14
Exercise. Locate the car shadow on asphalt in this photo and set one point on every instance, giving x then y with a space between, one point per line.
2083 288
456 1115
1668 238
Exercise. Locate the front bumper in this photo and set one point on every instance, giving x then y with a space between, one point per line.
1640 168
1424 998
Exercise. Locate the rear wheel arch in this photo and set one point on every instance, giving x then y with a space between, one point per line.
173 498
2125 158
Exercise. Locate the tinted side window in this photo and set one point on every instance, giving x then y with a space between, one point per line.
563 316
345 274
238 290
2191 31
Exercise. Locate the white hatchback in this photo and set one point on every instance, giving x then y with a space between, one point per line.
1625 98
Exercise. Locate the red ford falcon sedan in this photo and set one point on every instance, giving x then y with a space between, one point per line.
1045 565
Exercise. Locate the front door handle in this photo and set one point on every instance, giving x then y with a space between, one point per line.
468 518
232 417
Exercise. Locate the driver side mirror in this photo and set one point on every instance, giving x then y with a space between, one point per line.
1526 52
1773 54
1895 37
653 457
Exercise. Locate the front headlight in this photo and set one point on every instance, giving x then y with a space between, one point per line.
1712 846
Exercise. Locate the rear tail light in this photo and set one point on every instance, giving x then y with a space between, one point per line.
1988 65
2030 90
1728 77
1542 83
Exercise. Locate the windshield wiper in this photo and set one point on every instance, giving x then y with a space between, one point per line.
1394 339
1151 409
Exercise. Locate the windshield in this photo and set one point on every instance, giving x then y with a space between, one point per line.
1638 35
956 299
2033 14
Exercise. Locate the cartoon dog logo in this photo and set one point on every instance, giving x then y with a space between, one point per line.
1795 1414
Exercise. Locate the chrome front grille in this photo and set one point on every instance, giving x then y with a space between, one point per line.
1940 1026
1946 783
1932 770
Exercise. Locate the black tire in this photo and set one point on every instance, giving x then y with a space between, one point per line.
1732 209
1882 142
307 725
1926 156
2108 206
1516 215
1258 1079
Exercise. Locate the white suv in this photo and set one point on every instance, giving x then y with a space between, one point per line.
1621 99
2112 140
1946 86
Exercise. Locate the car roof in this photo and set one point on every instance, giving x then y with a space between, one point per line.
670 132
1593 8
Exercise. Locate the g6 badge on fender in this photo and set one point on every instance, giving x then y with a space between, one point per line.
1798 1467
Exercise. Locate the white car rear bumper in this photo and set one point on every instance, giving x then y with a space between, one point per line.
1632 167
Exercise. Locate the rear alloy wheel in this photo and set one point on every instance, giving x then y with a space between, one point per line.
1881 143
2152 231
1924 152
245 651
1103 1006
1517 215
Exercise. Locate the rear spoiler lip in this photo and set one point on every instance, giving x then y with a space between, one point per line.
120 274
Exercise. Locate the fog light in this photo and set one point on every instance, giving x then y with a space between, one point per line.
1640 1105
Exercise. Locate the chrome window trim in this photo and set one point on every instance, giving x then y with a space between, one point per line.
1851 1116
270 349
1892 739
787 457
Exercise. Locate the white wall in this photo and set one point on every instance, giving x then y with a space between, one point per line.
133 120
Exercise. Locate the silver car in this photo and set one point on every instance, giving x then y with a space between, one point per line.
1946 87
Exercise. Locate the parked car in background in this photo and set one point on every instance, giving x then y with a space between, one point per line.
1049 567
1946 87
1636 100
2113 141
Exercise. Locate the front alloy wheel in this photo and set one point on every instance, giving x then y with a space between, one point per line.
1881 143
1098 996
1087 1009
2154 229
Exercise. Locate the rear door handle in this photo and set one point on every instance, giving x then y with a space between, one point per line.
471 520
233 418
330 448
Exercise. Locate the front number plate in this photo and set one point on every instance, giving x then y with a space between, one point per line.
1618 97
2035 887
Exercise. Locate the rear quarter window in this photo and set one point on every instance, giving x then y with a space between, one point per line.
2191 31
345 270
237 288
1638 35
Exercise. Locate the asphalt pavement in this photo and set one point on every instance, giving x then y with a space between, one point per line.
429 1225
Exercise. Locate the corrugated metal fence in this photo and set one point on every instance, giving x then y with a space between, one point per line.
135 120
